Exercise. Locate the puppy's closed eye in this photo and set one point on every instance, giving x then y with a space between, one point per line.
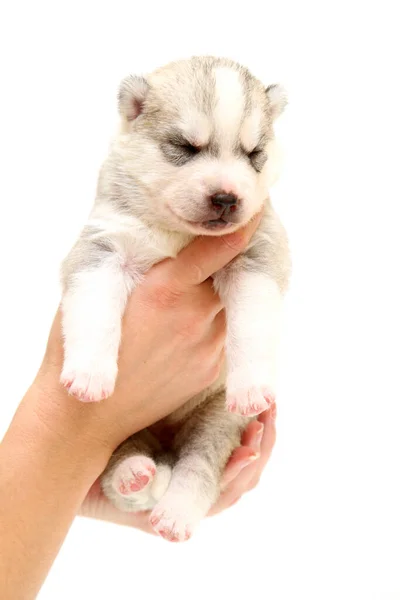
178 150
257 158
186 146
254 153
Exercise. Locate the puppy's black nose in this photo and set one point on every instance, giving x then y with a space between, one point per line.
224 200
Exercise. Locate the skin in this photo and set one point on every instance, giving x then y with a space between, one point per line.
56 447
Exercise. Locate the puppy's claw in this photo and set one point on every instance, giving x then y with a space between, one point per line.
89 386
250 402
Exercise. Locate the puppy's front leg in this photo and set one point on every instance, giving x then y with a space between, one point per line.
92 306
253 305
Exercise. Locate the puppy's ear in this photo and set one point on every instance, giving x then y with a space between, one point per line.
277 97
131 96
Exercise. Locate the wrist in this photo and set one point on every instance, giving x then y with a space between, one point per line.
48 420
48 462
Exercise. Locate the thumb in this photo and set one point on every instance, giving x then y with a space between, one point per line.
206 255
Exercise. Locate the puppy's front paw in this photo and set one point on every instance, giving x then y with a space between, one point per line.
250 401
250 390
90 385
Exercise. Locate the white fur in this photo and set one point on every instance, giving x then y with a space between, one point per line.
139 245
278 99
161 481
196 127
92 312
253 303
230 104
184 503
250 130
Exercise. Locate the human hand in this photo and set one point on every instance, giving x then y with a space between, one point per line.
172 347
245 467
242 474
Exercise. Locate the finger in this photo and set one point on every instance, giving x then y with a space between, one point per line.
253 435
249 476
240 484
241 458
205 301
219 324
107 512
212 343
267 444
246 453
236 488
206 255
97 506
268 419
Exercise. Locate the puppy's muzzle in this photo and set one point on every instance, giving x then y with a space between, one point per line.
224 204
222 211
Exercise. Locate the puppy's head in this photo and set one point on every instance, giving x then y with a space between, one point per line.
197 140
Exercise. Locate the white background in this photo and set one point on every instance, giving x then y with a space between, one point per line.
324 522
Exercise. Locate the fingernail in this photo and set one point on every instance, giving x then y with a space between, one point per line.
273 412
246 462
256 444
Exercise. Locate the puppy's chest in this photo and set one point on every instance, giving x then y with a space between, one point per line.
145 247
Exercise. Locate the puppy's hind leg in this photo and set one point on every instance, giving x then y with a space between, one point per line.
138 473
203 447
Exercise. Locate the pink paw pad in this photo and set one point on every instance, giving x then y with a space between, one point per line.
171 536
133 475
170 529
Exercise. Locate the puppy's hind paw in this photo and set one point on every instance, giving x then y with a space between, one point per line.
133 475
174 528
175 517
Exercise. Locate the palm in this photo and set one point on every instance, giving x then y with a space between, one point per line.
242 473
